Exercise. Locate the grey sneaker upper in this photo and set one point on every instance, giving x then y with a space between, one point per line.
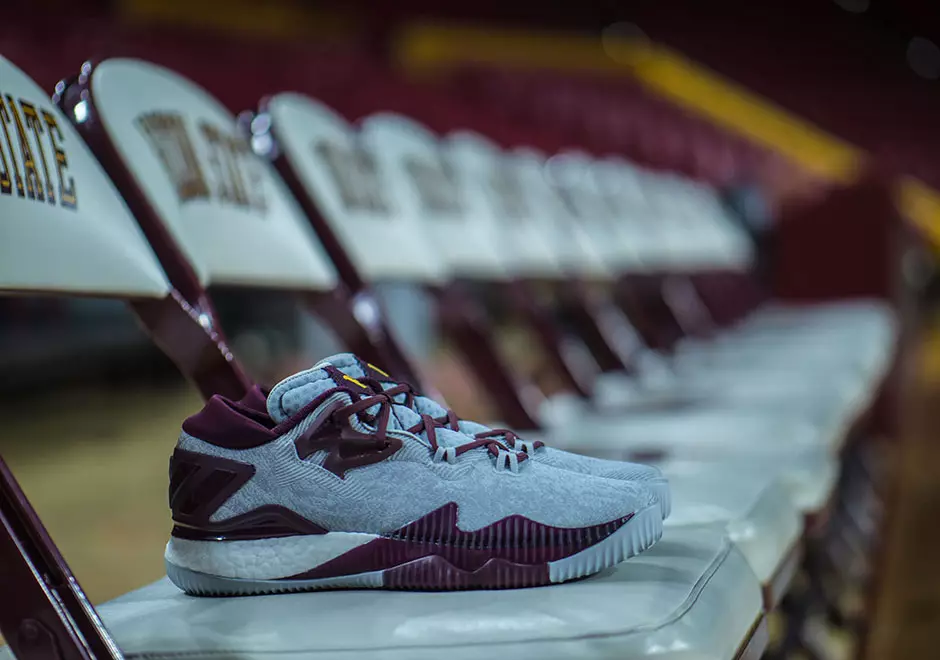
343 458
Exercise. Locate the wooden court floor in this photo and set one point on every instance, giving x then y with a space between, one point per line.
93 461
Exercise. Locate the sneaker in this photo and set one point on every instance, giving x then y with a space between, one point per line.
649 476
333 485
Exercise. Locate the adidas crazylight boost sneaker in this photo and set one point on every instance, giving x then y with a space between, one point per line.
334 485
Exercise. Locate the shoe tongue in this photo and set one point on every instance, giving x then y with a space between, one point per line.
294 392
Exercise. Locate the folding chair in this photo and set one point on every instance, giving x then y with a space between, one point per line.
157 141
68 232
692 596
351 183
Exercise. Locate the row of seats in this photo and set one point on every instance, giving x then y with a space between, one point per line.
613 115
748 420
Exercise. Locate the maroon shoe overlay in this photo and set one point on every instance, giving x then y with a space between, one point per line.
271 521
349 448
200 484
515 544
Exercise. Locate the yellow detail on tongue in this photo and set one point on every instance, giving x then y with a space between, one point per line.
372 366
353 380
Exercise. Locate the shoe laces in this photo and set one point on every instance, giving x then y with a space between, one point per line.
449 420
506 458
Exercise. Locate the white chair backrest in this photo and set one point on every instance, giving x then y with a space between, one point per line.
353 193
623 185
674 223
699 234
429 189
678 245
571 173
574 249
227 208
63 226
497 195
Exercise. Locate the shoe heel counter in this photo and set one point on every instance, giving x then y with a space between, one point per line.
201 483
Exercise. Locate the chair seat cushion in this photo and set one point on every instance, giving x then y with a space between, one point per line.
809 480
697 433
832 410
692 596
760 516
809 474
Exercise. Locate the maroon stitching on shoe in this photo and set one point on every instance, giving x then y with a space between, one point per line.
514 539
265 522
200 484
